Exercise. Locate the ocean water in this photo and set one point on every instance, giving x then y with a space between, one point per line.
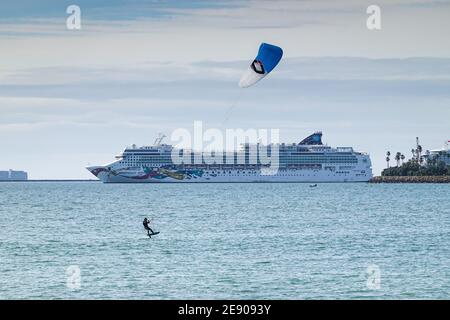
85 240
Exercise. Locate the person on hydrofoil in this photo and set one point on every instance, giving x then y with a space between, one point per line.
146 224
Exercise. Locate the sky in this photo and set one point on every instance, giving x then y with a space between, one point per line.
69 98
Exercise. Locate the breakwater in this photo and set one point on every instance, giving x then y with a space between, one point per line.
410 179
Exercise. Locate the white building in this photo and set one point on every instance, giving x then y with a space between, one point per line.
442 154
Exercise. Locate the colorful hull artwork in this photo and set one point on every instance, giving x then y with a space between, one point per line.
147 174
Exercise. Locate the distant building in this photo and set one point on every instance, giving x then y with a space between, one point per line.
440 155
12 175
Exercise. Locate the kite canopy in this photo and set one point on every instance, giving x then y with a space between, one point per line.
266 60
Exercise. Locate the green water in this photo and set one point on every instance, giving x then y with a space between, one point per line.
230 241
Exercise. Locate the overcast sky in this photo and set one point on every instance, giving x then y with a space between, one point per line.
136 68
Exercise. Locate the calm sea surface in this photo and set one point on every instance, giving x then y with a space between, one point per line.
230 241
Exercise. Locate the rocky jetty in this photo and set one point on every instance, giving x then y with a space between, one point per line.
410 179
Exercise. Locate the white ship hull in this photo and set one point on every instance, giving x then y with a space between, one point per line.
236 176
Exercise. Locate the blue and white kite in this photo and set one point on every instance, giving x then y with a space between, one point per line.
267 59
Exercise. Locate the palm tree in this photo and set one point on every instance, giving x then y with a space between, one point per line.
427 156
419 151
388 154
403 158
397 158
413 151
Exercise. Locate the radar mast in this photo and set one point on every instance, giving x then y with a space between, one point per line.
160 138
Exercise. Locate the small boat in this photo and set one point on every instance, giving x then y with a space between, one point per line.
313 185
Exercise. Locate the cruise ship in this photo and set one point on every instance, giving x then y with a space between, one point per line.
12 175
308 161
